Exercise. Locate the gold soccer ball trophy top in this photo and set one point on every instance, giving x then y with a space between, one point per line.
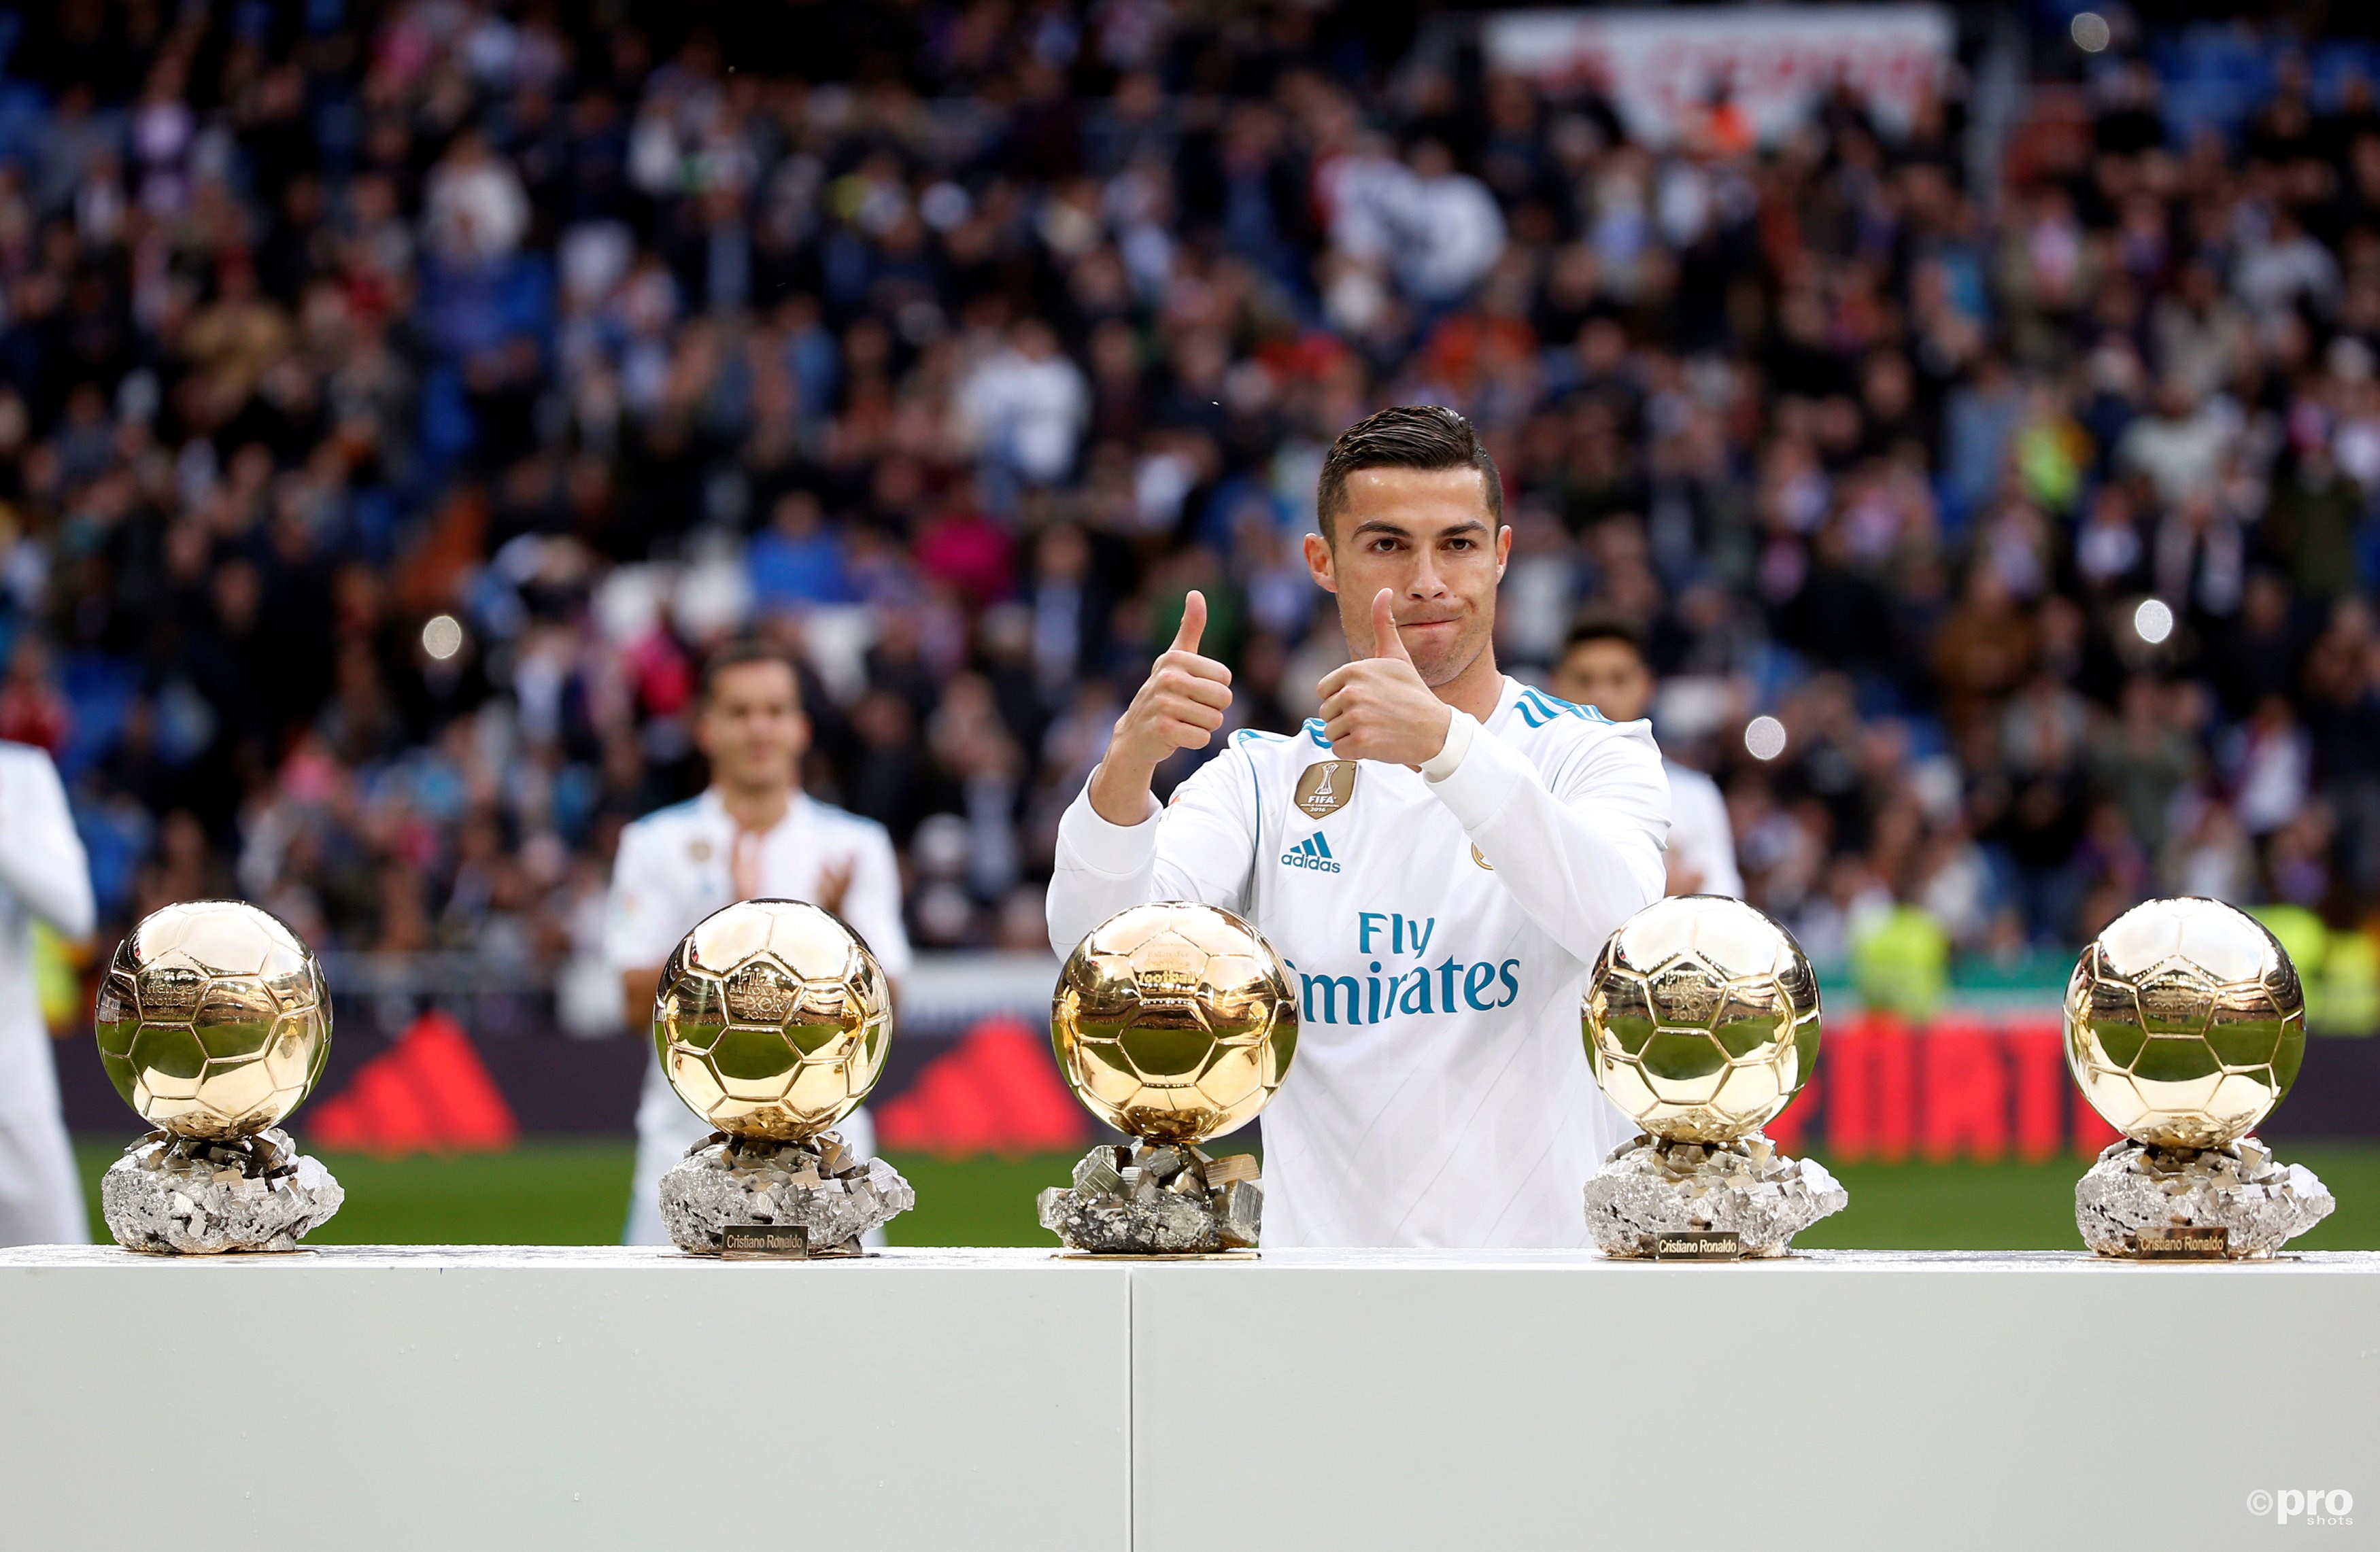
2185 1024
773 1021
1701 1019
213 1020
214 1023
1175 1024
1701 1023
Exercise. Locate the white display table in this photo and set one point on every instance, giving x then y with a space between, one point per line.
484 1398
965 1399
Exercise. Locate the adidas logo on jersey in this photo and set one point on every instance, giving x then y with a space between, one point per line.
1313 851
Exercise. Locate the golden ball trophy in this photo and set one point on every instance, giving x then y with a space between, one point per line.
2185 1024
773 1021
1701 1018
1175 1023
214 1022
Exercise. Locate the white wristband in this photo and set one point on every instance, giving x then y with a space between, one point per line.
1459 729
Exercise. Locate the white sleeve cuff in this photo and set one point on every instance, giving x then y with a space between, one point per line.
1112 851
1459 731
1479 786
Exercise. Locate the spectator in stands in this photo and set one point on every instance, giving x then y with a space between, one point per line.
397 403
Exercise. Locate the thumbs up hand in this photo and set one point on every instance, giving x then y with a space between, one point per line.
1180 706
1386 642
1377 708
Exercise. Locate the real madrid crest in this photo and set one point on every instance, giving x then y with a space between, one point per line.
698 851
1478 858
1325 787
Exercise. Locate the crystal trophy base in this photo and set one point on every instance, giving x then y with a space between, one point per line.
2231 1204
754 1197
1659 1200
1157 1199
172 1196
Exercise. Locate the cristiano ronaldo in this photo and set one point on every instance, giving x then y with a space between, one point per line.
1438 856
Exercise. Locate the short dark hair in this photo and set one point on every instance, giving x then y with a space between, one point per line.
1605 627
1405 436
740 652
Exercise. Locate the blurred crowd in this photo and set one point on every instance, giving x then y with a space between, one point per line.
396 401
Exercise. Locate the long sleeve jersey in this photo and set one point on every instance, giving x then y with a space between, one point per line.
1438 934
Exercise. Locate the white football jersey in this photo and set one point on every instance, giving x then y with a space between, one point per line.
1438 934
673 870
43 876
1702 838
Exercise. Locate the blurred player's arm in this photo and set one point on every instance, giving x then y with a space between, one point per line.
1702 843
41 860
1580 856
1198 848
637 934
871 903
638 990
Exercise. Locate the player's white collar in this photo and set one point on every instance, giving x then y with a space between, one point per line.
714 808
1508 697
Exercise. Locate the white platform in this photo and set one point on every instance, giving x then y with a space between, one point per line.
965 1399
467 1399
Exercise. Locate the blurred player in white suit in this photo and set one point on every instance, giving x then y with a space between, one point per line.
42 876
754 834
1603 666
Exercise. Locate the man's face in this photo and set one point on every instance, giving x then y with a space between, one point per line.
1427 535
753 728
1607 675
